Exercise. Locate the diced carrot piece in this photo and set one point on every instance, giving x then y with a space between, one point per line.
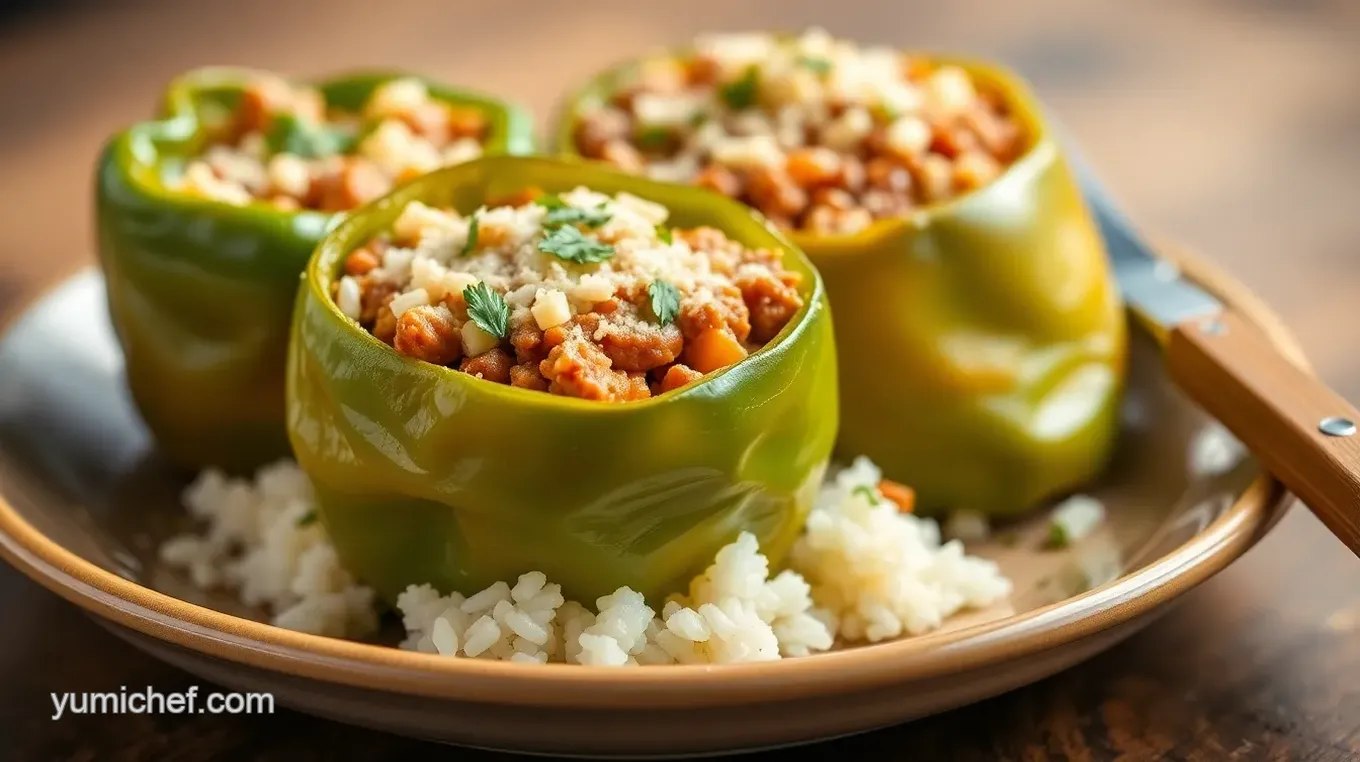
904 496
813 167
677 376
518 198
712 349
554 336
361 262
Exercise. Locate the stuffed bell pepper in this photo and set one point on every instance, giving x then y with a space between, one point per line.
980 337
207 215
521 363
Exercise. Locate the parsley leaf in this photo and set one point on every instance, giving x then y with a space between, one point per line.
487 309
1057 536
550 201
568 243
307 519
867 492
741 93
474 229
653 138
665 301
883 112
817 65
289 134
570 215
664 233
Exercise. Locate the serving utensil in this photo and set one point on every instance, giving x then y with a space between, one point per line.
1297 427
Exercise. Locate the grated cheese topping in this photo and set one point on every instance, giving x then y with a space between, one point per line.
428 261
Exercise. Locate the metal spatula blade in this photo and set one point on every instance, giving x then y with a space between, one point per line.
1297 427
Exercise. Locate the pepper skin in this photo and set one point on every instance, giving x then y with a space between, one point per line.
426 474
201 292
981 342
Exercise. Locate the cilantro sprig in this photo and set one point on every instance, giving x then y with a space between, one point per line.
290 134
567 243
652 138
487 309
665 301
570 215
1058 537
474 232
816 65
561 213
741 92
663 234
868 493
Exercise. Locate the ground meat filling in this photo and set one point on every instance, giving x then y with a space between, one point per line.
283 145
492 365
817 133
429 333
631 343
579 368
577 294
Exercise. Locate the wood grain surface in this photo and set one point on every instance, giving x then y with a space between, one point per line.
1231 126
1276 409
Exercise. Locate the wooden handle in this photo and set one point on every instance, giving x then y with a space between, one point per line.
1231 369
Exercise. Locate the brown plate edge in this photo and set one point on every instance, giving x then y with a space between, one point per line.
128 604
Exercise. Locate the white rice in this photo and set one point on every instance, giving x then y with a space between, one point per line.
881 573
262 541
968 526
734 612
1075 518
1214 451
862 572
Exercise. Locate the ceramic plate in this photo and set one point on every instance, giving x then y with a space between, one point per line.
84 503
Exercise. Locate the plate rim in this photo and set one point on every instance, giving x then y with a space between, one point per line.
355 664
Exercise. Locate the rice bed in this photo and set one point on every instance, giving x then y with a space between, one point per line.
861 572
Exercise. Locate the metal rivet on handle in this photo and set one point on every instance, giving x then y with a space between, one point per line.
1213 327
1336 426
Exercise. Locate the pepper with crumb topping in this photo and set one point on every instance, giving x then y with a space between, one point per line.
981 339
581 294
207 214
439 454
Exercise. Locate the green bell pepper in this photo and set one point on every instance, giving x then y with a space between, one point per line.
981 341
426 474
201 292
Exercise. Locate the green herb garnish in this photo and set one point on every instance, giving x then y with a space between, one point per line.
665 301
474 232
1058 537
568 243
741 93
817 65
487 309
664 233
307 519
882 112
289 134
550 201
570 215
868 493
653 138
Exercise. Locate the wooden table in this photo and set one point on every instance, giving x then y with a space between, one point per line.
1233 126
